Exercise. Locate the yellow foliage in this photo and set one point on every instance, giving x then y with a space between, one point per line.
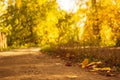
52 17
23 18
18 3
10 2
106 35
16 21
40 2
107 2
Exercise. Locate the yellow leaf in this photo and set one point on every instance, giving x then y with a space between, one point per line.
85 63
96 69
102 69
106 69
16 21
18 3
94 63
10 2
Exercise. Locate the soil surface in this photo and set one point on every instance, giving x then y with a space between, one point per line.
31 64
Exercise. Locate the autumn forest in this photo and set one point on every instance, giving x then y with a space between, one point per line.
36 23
88 32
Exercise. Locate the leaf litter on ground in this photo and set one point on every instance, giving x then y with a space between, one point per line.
94 67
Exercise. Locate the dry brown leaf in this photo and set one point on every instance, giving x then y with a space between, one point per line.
68 64
110 74
67 55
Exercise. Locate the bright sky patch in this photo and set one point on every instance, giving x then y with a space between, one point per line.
68 5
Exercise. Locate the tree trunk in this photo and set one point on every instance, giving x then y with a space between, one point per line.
3 41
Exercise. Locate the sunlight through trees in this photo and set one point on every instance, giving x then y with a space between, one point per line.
36 22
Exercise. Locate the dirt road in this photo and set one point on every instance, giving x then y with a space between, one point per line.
30 64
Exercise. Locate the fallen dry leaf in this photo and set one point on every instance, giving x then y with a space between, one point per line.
110 74
108 69
85 63
67 55
72 76
68 64
94 63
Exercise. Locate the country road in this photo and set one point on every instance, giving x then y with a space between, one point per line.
31 64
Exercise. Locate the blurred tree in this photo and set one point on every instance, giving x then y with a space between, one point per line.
101 23
25 17
38 22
